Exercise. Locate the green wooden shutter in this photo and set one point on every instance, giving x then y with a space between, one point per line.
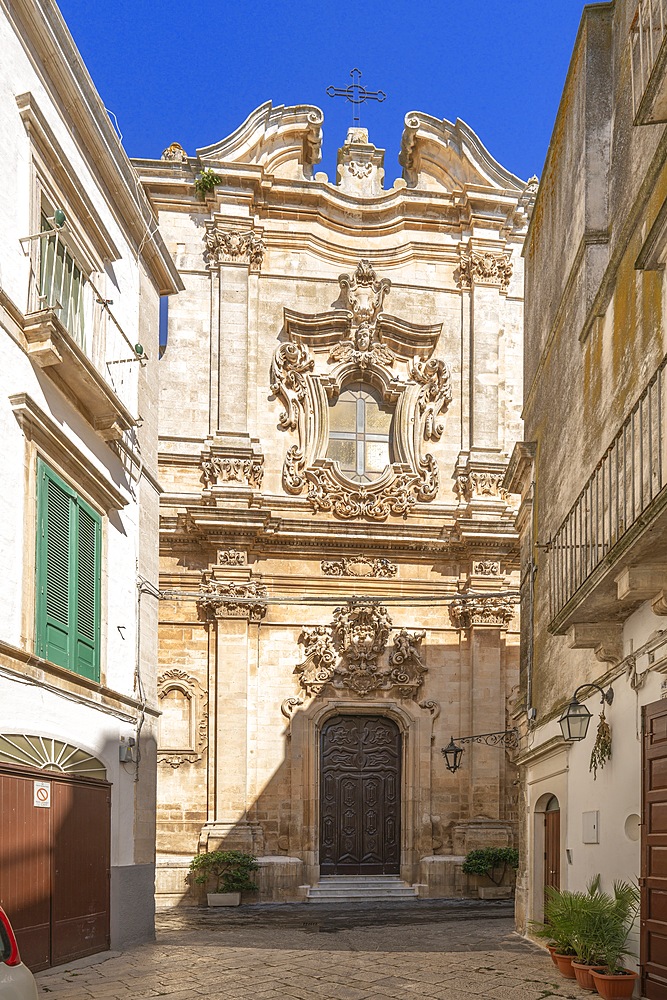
54 569
69 535
88 592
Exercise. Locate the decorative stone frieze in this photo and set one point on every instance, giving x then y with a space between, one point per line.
360 566
174 153
245 471
232 557
361 341
233 600
471 611
486 567
196 699
223 247
485 267
346 654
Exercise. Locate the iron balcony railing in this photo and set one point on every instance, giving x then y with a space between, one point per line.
59 282
646 37
626 480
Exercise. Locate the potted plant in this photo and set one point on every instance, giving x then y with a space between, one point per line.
492 863
617 982
558 928
227 872
590 912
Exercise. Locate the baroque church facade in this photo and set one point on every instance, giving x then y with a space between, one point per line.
340 393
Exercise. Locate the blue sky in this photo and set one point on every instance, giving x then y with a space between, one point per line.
193 72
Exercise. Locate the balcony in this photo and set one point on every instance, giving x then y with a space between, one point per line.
617 523
72 333
649 62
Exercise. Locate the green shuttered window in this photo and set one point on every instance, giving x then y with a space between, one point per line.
69 540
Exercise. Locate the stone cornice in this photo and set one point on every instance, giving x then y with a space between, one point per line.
38 24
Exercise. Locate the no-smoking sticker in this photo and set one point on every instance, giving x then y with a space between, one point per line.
42 794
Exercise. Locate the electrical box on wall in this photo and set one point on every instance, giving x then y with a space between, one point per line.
591 827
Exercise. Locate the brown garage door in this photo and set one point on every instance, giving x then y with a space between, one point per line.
54 864
654 853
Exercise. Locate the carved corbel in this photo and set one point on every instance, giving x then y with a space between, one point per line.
604 638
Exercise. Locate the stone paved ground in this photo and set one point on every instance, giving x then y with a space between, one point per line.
302 952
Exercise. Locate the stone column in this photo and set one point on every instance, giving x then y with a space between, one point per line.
235 609
485 619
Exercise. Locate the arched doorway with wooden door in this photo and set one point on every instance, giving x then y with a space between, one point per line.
360 796
552 844
546 865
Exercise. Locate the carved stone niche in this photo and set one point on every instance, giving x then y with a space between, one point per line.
360 343
183 728
349 654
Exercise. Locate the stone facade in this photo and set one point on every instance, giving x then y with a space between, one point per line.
591 468
296 591
72 391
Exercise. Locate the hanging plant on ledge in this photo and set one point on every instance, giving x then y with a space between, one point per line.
206 182
602 746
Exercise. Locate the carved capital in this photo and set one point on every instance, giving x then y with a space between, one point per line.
480 485
223 247
233 600
470 612
483 266
218 470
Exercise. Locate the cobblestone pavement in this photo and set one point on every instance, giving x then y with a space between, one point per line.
455 951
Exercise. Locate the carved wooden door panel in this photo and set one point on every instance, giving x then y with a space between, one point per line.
360 796
653 881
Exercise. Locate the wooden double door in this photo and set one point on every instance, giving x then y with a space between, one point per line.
360 796
54 864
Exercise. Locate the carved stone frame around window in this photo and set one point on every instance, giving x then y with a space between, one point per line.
362 344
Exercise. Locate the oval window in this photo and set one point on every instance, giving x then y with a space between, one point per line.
360 433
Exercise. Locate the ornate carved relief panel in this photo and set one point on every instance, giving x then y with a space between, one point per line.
355 348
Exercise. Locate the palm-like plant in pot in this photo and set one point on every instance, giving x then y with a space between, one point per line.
617 982
558 928
228 873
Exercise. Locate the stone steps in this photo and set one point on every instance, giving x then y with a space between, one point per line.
359 888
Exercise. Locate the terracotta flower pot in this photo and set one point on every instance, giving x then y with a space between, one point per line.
582 973
551 949
564 963
615 987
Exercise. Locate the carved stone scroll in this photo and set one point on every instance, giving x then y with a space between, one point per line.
486 567
231 557
360 566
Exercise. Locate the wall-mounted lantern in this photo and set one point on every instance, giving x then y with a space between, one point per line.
576 717
508 738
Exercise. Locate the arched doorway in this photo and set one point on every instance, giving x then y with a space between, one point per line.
360 796
552 843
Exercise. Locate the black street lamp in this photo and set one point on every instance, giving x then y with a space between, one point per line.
508 738
576 717
452 754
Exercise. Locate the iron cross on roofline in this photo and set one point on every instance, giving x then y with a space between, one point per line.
356 94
